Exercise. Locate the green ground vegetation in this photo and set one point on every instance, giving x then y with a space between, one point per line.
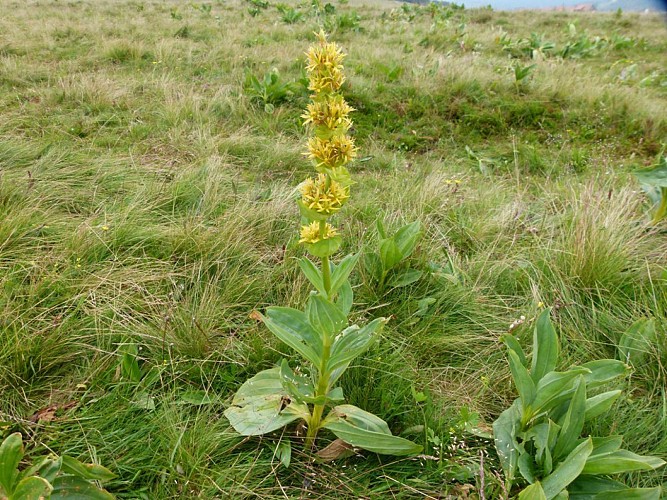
149 154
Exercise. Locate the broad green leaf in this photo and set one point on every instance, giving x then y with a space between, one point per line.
526 466
283 452
545 347
336 395
87 471
504 436
655 175
573 421
11 452
373 265
554 385
587 487
129 366
600 403
389 254
406 238
533 492
32 488
632 494
76 488
605 445
352 342
341 175
568 470
299 386
548 462
404 278
603 371
198 398
143 400
524 384
311 215
49 469
292 327
540 434
313 274
342 272
621 461
345 298
380 227
365 430
324 248
46 468
637 342
261 405
324 316
512 343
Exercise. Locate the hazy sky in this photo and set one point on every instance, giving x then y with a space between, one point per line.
527 4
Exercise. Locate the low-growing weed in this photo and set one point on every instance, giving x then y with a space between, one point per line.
386 267
269 91
57 478
539 438
654 183
289 15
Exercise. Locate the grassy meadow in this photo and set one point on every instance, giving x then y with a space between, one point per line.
147 209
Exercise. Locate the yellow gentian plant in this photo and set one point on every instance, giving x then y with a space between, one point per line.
321 333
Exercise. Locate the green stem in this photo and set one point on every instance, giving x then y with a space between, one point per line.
326 274
321 390
326 268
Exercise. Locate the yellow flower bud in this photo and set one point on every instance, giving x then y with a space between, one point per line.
325 66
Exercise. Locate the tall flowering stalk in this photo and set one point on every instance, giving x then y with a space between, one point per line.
321 334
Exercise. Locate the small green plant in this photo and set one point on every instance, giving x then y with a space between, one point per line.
539 438
384 266
260 4
268 91
204 8
51 477
321 333
637 342
348 21
534 47
393 72
289 14
256 6
654 183
521 73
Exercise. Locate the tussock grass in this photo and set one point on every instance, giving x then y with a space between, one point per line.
146 199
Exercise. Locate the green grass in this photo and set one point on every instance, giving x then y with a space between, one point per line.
146 198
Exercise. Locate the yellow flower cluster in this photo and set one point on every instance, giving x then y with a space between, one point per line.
323 195
331 148
312 233
333 152
331 112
